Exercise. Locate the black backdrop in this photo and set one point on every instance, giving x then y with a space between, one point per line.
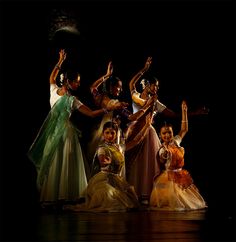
192 45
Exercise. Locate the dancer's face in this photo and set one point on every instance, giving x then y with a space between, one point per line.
75 83
153 88
166 134
116 89
109 135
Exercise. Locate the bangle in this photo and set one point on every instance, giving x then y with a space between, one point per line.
58 67
142 110
105 110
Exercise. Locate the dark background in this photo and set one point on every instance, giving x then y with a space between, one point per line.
193 48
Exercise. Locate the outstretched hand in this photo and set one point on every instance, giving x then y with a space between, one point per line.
121 105
117 105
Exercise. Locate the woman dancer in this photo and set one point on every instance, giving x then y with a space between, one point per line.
107 191
56 151
174 189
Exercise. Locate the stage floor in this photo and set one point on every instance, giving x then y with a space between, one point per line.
143 225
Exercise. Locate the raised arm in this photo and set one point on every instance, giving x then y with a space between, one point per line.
103 78
132 84
184 122
57 67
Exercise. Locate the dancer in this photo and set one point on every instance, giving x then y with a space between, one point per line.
141 165
56 150
107 191
174 189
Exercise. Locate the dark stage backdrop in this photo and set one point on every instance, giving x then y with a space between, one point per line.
192 45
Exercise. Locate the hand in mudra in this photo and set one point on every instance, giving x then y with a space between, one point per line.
107 160
149 119
121 105
150 101
184 106
148 63
117 105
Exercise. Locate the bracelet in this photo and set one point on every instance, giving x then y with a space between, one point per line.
105 110
142 110
58 67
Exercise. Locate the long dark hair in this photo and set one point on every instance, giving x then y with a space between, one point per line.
68 76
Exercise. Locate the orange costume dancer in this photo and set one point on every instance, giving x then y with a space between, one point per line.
174 189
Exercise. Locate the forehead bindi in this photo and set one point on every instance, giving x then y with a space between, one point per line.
166 130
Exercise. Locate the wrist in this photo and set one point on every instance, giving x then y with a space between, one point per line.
106 77
142 110
58 66
105 110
